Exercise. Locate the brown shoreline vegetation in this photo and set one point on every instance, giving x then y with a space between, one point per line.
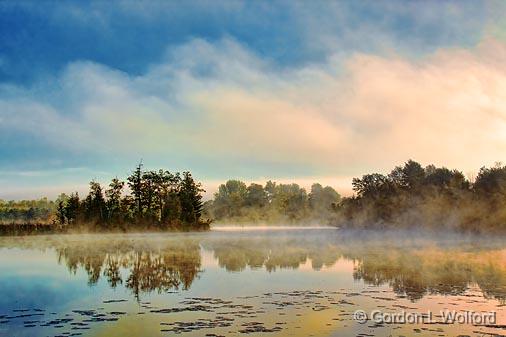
432 199
17 229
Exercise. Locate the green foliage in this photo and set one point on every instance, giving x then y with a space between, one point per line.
256 196
157 200
229 199
290 200
95 208
491 181
430 198
272 203
323 201
135 184
72 209
27 211
114 202
410 196
190 200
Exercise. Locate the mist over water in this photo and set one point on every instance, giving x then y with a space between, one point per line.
240 280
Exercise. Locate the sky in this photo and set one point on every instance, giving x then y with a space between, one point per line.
299 91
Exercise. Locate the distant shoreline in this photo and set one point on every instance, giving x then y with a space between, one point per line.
51 229
340 232
260 227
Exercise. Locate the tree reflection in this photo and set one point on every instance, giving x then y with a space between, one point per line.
413 274
142 268
413 269
235 254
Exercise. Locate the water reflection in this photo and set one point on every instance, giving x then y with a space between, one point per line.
415 273
413 269
162 266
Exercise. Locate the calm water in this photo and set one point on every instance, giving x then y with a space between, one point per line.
277 282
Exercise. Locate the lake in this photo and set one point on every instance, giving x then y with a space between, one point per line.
252 281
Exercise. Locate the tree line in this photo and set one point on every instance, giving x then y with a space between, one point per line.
26 211
236 202
412 196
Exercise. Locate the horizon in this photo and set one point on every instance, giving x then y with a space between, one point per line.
343 185
308 93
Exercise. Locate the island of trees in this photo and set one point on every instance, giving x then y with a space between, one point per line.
409 197
148 200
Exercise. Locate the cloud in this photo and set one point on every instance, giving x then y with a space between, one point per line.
132 35
447 109
221 107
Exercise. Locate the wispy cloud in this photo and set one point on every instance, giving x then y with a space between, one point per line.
222 102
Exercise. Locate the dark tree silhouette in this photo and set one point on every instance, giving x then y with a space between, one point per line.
158 200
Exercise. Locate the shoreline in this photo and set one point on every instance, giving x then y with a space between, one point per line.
341 232
52 229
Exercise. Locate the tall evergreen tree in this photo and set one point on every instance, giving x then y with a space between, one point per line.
191 199
72 209
135 185
113 195
95 206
